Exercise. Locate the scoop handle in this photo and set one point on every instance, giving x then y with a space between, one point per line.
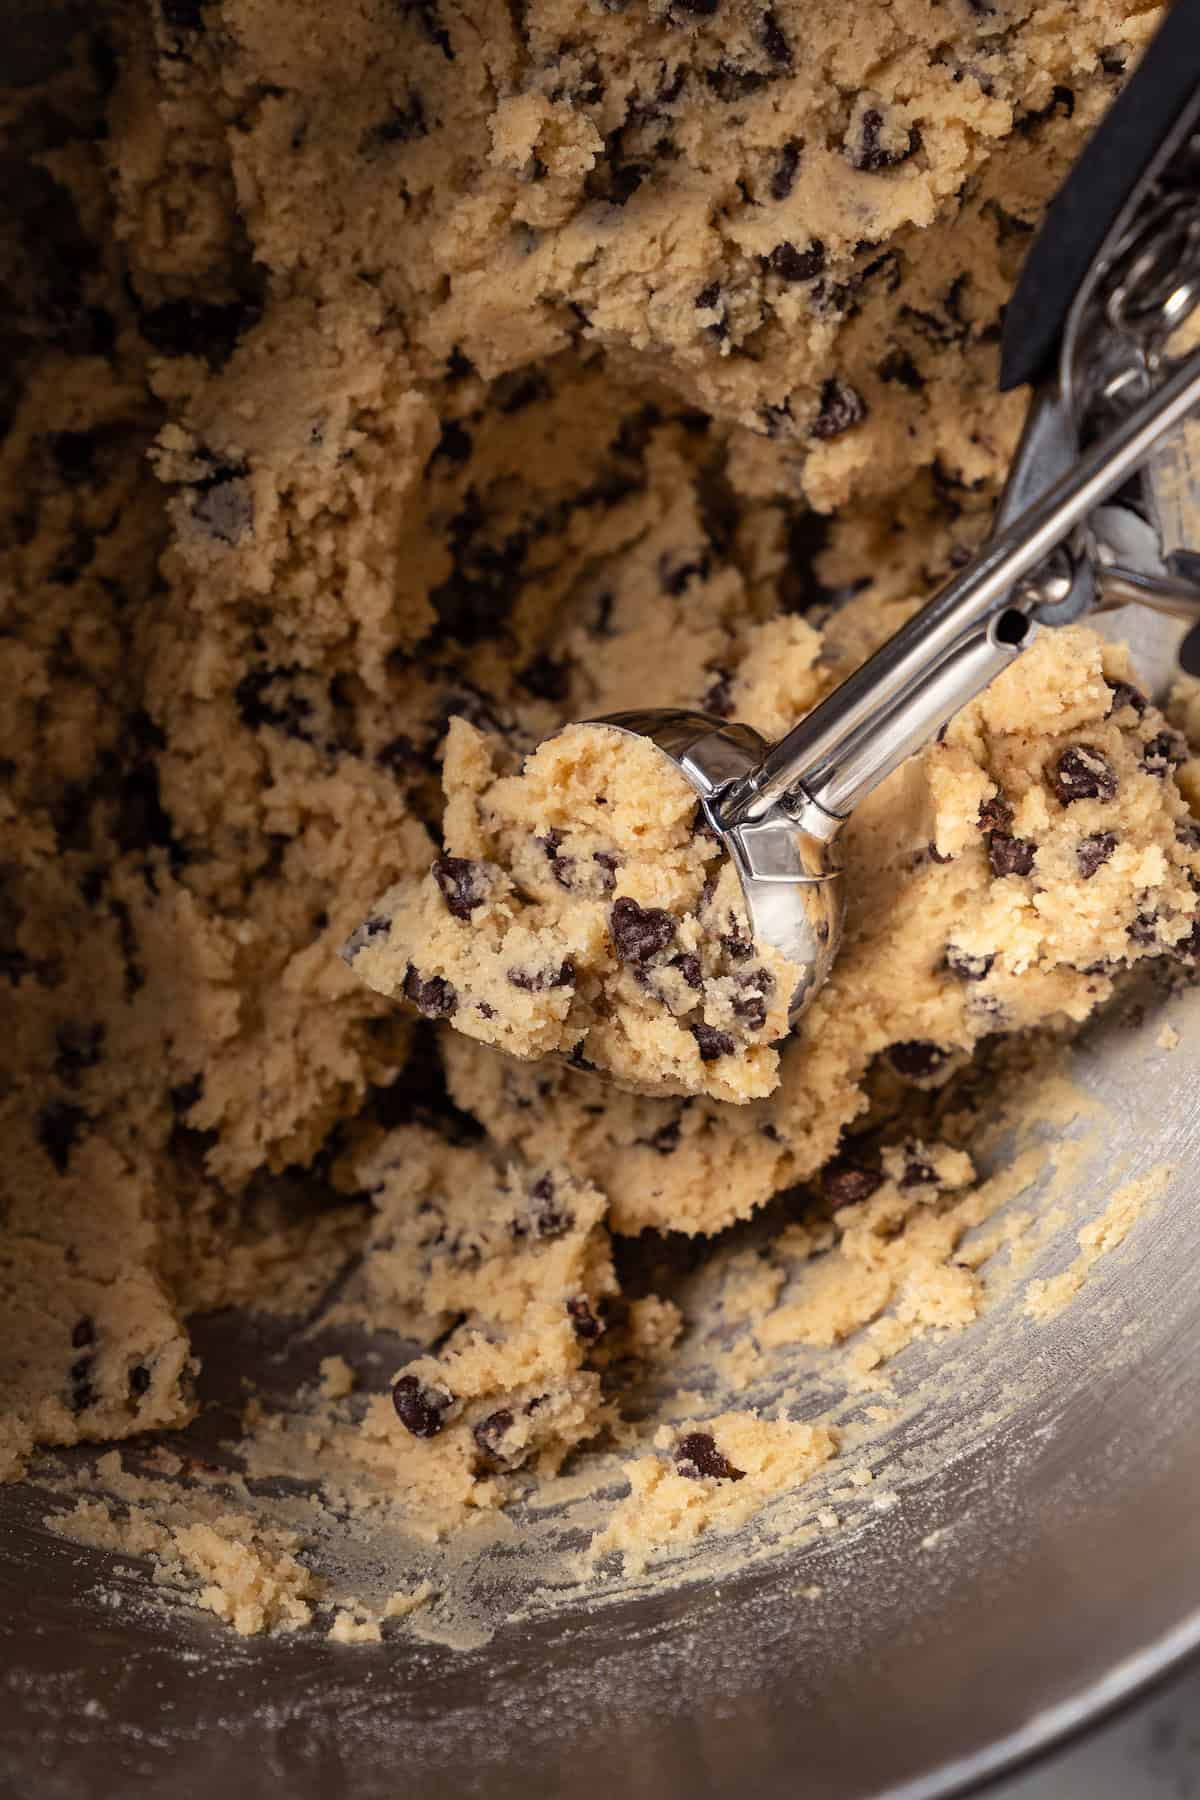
935 663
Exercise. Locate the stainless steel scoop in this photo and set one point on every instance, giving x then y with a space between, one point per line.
1058 551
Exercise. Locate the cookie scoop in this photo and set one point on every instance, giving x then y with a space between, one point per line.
1104 423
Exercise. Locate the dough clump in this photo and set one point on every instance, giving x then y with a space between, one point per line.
584 907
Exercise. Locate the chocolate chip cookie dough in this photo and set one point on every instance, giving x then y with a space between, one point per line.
612 929
392 385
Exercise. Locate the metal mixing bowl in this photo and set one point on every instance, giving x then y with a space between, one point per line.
1042 1562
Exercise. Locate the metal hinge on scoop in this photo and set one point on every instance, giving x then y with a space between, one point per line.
1105 335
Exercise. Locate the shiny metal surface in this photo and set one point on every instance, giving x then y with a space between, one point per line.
1041 1560
787 869
1120 335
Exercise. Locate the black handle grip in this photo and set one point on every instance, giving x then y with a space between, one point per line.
1080 216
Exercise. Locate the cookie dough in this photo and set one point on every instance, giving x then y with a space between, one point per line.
710 1474
510 1275
584 906
387 388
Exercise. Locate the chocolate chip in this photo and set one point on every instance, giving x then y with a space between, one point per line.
420 1409
755 987
403 125
140 821
15 965
79 1049
1125 694
74 455
916 1059
676 571
59 1128
608 863
870 154
689 967
490 1433
775 42
378 925
731 80
1144 929
207 329
917 1173
798 265
719 698
945 326
842 407
139 1380
1093 852
666 1138
965 966
696 1455
1081 773
848 1183
540 981
995 814
1188 834
583 1320
82 1393
1008 855
268 697
1188 948
476 600
429 19
464 702
624 180
898 366
546 678
737 947
464 884
1062 100
519 389
639 932
777 420
784 178
454 445
83 1333
547 1218
711 1042
435 998
561 868
399 755
1163 752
